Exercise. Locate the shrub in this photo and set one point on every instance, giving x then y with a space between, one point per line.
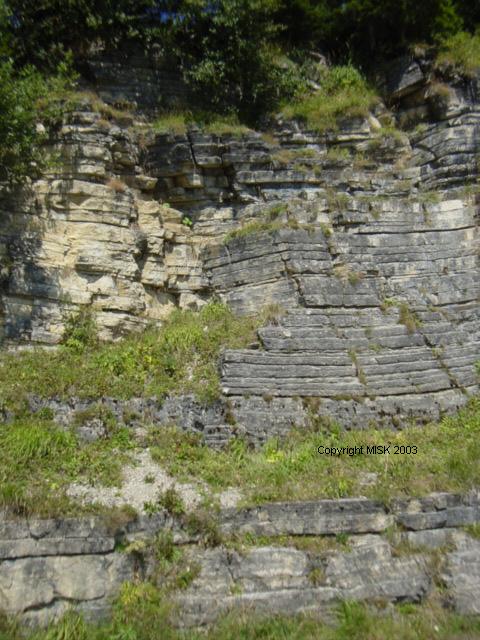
80 331
462 51
228 55
29 104
344 93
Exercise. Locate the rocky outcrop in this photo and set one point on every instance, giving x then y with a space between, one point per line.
366 237
49 566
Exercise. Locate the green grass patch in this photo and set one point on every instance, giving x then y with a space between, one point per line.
252 229
268 224
293 469
180 357
462 51
39 460
142 612
178 123
344 93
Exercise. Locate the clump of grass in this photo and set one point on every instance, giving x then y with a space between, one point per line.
177 123
257 227
222 126
294 470
180 357
462 51
252 228
39 460
408 318
337 154
344 94
336 200
287 156
172 501
174 123
174 570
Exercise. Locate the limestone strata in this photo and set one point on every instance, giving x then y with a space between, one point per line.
48 566
281 580
369 243
309 518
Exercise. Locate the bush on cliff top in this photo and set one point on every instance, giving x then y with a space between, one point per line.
344 93
29 104
462 51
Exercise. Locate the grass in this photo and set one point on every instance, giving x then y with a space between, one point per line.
256 227
344 93
312 544
294 470
171 123
462 51
251 229
74 99
408 318
178 123
285 156
180 357
39 460
142 610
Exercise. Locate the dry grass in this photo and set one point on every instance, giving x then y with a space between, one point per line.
117 185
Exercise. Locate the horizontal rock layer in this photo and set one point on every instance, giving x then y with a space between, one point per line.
48 566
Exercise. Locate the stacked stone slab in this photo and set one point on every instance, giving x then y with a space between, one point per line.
50 566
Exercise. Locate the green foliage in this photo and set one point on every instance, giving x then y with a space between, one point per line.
367 31
27 100
462 51
344 93
43 32
39 460
80 332
229 56
293 469
180 357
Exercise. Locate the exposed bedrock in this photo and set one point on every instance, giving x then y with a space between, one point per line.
367 240
49 566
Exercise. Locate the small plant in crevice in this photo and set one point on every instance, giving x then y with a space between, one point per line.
408 318
80 331
173 566
203 522
117 185
171 501
316 576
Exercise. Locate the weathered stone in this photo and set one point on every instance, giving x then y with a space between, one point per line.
309 518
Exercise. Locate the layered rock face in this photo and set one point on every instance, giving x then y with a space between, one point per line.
48 566
366 240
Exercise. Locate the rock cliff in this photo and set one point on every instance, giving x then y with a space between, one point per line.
367 238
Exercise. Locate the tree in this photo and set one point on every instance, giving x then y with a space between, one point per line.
227 50
27 102
42 32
